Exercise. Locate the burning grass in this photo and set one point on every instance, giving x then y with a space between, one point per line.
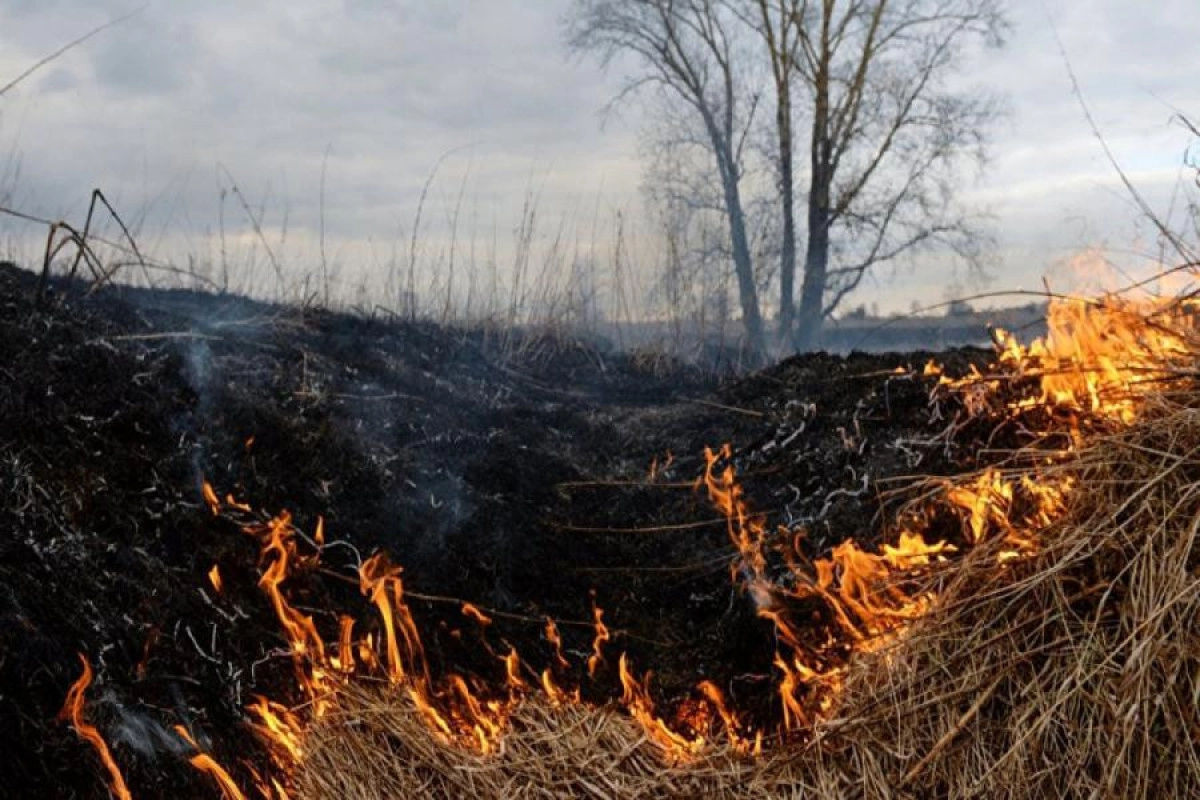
1072 673
1059 656
1075 672
1009 626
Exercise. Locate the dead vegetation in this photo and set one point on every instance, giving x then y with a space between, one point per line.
1071 670
1074 672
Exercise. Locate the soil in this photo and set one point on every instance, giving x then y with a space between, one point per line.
508 469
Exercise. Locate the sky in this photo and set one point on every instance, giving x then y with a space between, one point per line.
172 110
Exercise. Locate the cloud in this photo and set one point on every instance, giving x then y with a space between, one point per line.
150 56
164 109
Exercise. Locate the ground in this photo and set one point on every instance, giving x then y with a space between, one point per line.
509 469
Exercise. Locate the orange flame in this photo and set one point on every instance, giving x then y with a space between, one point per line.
865 595
602 636
214 577
284 727
657 468
512 669
210 497
746 531
205 763
472 611
344 661
307 647
553 637
376 578
636 698
556 695
72 710
1099 356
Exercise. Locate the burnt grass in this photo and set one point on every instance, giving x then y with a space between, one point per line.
509 470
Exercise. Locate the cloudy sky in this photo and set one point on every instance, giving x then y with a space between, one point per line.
170 109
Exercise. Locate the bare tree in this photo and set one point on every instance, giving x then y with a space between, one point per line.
688 50
889 132
778 24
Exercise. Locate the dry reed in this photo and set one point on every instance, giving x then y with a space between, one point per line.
1074 672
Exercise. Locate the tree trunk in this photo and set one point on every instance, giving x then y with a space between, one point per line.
816 259
743 265
787 253
744 269
816 264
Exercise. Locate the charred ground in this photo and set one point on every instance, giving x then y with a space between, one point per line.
511 471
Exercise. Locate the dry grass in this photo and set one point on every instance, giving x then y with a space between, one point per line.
1075 674
377 746
1071 673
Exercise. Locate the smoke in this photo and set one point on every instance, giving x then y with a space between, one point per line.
198 370
146 735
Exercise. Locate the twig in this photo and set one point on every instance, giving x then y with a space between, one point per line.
70 46
138 337
682 526
734 409
569 485
367 398
949 736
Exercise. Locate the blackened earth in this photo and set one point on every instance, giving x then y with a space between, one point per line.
511 470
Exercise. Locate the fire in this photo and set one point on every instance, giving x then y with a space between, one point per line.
658 468
472 611
344 661
1098 356
210 497
380 581
555 694
205 763
72 710
512 669
1097 362
214 577
552 636
602 636
307 646
746 531
636 697
282 728
866 593
863 591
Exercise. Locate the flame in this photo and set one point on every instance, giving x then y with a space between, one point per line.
472 611
657 468
512 669
636 697
556 695
214 577
282 729
205 763
746 531
344 661
72 710
716 699
380 581
1099 356
306 645
552 636
1098 361
210 497
602 637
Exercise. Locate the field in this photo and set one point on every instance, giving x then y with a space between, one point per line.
957 574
